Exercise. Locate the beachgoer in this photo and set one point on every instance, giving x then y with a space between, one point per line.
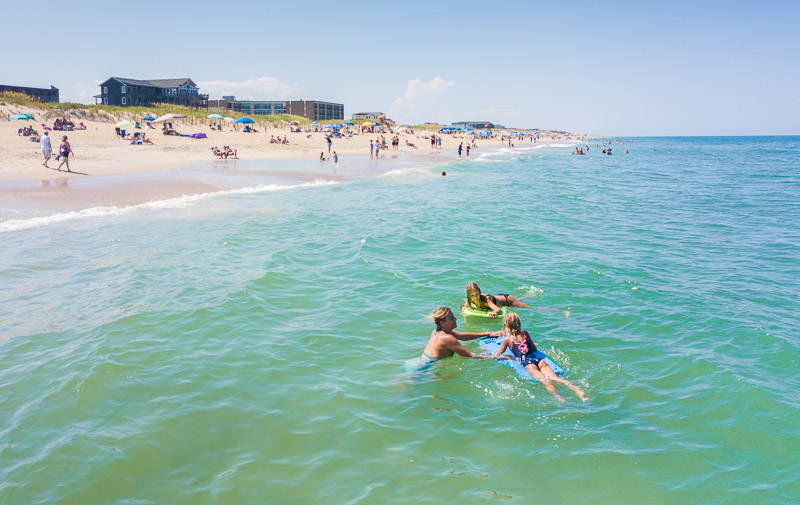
329 144
467 150
524 351
444 173
479 301
371 148
47 149
65 150
335 158
460 146
322 156
444 341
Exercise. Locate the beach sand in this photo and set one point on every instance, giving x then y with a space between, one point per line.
101 155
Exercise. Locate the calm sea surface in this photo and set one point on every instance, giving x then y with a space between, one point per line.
249 346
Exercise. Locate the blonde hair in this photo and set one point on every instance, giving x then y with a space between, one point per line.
440 315
472 288
512 325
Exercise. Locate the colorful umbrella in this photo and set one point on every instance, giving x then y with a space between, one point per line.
124 122
367 123
293 123
20 116
53 113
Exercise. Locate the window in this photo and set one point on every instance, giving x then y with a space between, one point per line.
124 89
105 101
124 101
105 90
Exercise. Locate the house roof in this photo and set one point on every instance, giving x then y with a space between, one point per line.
158 83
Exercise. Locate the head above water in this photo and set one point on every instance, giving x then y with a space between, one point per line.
473 294
441 315
512 324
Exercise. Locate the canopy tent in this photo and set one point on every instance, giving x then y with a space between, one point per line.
168 117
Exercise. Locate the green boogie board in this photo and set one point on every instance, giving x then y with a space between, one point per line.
469 312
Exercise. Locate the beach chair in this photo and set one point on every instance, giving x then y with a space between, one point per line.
45 126
118 131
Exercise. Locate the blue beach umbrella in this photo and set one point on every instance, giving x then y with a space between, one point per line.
315 123
244 120
148 118
348 123
20 116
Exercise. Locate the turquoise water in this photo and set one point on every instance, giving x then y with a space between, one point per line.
249 347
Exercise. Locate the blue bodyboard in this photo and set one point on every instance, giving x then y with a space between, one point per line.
492 345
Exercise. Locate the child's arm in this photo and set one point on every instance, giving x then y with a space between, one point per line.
503 347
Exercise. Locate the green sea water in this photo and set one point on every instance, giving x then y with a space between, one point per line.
249 346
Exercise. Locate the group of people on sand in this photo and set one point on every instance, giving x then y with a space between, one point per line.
64 151
445 341
273 140
224 153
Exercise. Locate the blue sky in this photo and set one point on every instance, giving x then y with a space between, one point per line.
618 68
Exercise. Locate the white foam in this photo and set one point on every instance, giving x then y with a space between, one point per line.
170 203
403 172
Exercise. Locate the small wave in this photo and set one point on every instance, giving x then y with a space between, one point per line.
403 172
530 290
170 203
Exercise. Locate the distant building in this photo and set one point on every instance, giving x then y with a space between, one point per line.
311 109
41 94
371 115
475 125
126 92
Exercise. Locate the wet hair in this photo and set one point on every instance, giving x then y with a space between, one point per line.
512 325
440 315
472 288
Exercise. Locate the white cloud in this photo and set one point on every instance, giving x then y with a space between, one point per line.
260 88
422 100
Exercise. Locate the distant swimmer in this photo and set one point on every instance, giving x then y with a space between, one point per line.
444 341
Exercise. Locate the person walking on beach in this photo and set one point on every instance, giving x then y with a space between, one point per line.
467 150
47 149
330 142
371 148
460 146
65 150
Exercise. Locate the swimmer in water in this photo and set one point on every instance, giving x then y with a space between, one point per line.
444 341
524 351
478 301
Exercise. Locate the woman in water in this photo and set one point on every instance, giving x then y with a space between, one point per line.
524 351
476 300
444 341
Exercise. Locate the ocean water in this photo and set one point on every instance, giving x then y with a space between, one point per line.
249 346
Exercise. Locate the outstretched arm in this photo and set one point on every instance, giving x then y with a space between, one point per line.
472 336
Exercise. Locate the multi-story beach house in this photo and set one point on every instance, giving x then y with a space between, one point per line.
475 125
126 92
41 94
311 109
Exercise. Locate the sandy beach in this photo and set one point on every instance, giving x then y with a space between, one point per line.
100 154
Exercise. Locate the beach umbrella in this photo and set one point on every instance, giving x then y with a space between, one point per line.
315 123
214 116
400 128
124 122
293 123
336 125
148 118
20 116
167 117
381 116
228 119
53 113
244 120
367 123
349 123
